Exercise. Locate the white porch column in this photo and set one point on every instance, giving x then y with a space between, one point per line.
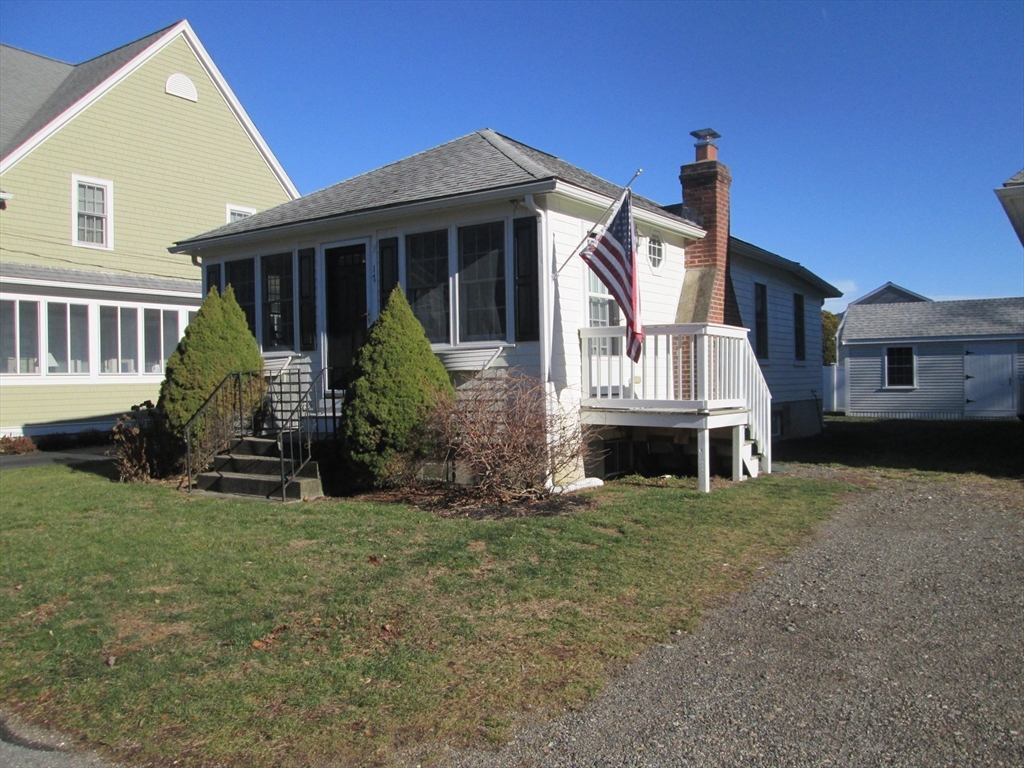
737 452
704 460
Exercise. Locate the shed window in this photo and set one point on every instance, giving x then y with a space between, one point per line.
899 367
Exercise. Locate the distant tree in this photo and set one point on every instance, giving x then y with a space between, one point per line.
829 326
397 382
216 343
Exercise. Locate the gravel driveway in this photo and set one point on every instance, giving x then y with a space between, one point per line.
895 638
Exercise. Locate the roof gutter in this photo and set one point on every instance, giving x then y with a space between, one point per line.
196 245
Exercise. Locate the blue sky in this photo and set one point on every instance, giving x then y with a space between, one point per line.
864 139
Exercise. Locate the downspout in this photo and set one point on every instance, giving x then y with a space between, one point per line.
546 276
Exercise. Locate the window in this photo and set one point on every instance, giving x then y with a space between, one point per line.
388 269
213 272
899 367
482 282
67 338
655 251
761 320
119 339
278 302
307 299
19 336
238 212
527 300
426 257
799 337
93 205
160 337
241 276
604 313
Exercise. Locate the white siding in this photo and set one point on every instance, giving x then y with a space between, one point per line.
939 392
789 379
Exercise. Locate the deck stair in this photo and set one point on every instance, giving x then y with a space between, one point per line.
252 466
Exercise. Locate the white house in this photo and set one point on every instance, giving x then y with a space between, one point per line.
483 233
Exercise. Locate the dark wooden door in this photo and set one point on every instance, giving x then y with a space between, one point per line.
345 270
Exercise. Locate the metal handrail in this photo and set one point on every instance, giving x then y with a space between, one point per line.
297 421
233 406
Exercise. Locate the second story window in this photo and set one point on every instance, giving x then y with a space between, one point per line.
93 207
238 212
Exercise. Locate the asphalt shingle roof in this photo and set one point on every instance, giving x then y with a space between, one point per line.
934 319
480 161
35 89
112 279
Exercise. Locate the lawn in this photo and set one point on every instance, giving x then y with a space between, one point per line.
200 632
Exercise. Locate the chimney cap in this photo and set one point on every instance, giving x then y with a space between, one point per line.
706 135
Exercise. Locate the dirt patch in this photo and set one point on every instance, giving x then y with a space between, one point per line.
302 543
142 632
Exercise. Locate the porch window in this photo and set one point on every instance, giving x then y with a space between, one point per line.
482 282
799 338
426 256
67 338
241 276
899 367
278 302
761 321
213 272
388 270
119 339
307 299
160 336
19 336
527 298
604 313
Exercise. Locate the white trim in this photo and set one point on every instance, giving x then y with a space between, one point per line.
184 29
230 208
640 215
67 285
108 214
366 218
908 341
885 368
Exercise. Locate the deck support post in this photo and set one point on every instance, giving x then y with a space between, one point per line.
704 460
738 433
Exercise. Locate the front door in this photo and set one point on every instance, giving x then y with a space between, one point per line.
988 379
345 272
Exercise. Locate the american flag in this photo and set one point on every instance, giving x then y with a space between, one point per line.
612 257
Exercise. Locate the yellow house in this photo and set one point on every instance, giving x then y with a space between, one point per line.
103 165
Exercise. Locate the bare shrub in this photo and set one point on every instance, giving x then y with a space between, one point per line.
16 444
509 437
143 447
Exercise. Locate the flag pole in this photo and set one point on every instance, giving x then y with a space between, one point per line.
599 220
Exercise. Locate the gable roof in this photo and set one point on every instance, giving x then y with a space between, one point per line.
923 320
482 161
41 95
739 247
890 293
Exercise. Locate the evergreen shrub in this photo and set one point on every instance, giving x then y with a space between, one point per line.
396 384
216 343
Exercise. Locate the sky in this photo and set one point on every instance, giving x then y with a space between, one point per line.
864 139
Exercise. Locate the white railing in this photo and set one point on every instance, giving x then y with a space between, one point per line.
692 367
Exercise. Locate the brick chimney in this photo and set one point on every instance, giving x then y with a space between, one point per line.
707 291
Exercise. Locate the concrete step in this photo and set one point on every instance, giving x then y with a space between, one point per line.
254 446
249 464
263 486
